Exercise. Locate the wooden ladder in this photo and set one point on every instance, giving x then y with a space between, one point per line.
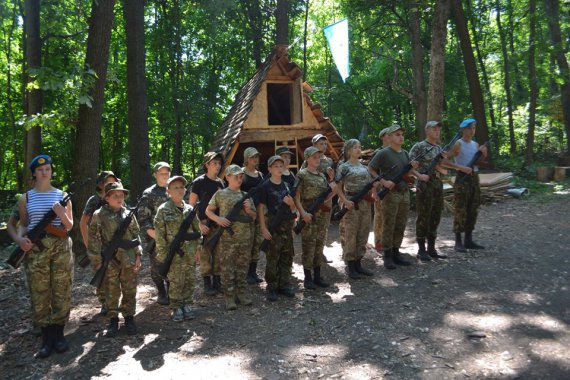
294 147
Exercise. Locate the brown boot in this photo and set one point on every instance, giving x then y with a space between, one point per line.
230 301
243 298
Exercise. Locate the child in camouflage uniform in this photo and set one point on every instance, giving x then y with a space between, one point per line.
274 195
378 203
355 225
122 275
167 223
234 249
48 264
309 184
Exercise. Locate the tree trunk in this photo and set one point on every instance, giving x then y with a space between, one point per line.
553 14
33 61
511 31
88 133
532 83
282 22
137 98
437 60
507 83
305 32
475 91
253 12
420 101
175 73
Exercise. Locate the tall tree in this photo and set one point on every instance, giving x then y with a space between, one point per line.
282 22
255 22
532 80
475 91
553 14
437 60
33 104
420 100
139 159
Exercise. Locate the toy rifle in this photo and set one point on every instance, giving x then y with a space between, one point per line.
361 194
314 207
117 241
398 177
421 186
181 236
461 177
276 222
232 216
43 226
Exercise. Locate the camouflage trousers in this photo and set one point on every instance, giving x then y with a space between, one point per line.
234 251
377 222
313 239
466 201
49 273
429 205
354 231
257 239
181 278
280 256
121 281
395 208
100 292
149 248
206 257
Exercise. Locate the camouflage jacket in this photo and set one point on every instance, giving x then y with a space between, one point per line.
310 186
153 197
167 224
103 225
420 148
358 176
224 200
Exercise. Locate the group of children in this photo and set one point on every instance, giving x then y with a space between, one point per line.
268 216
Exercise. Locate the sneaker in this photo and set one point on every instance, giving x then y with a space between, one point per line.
188 312
177 315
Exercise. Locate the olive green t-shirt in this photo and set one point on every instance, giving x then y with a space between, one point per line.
386 158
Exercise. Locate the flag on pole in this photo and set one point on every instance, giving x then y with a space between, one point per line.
337 37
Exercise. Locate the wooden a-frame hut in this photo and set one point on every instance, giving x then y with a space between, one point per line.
272 110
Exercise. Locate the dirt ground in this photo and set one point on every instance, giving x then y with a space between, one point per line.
503 312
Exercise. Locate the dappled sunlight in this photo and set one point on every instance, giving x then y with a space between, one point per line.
494 363
552 351
524 298
544 322
342 294
487 322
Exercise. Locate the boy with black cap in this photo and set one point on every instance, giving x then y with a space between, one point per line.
203 188
152 198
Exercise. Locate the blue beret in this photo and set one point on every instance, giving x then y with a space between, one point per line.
467 122
42 159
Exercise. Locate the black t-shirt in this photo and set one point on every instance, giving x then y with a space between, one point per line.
249 183
205 188
290 181
271 195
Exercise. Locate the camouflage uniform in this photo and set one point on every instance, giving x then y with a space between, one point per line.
234 249
314 234
182 271
49 273
280 255
429 203
153 197
378 224
467 199
93 204
120 277
355 225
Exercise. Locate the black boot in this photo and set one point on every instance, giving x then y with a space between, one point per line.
422 254
162 298
250 274
254 275
59 342
271 293
113 328
469 243
458 244
362 270
317 279
47 342
308 282
432 251
131 327
389 259
352 272
217 284
208 289
399 260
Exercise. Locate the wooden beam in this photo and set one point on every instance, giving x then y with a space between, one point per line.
248 136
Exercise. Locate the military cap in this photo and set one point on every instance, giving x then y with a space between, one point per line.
212 155
283 150
115 186
104 175
233 169
393 129
467 122
432 123
160 165
176 178
310 151
318 137
250 152
42 159
383 132
272 159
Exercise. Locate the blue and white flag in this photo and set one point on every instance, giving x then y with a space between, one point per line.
337 37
